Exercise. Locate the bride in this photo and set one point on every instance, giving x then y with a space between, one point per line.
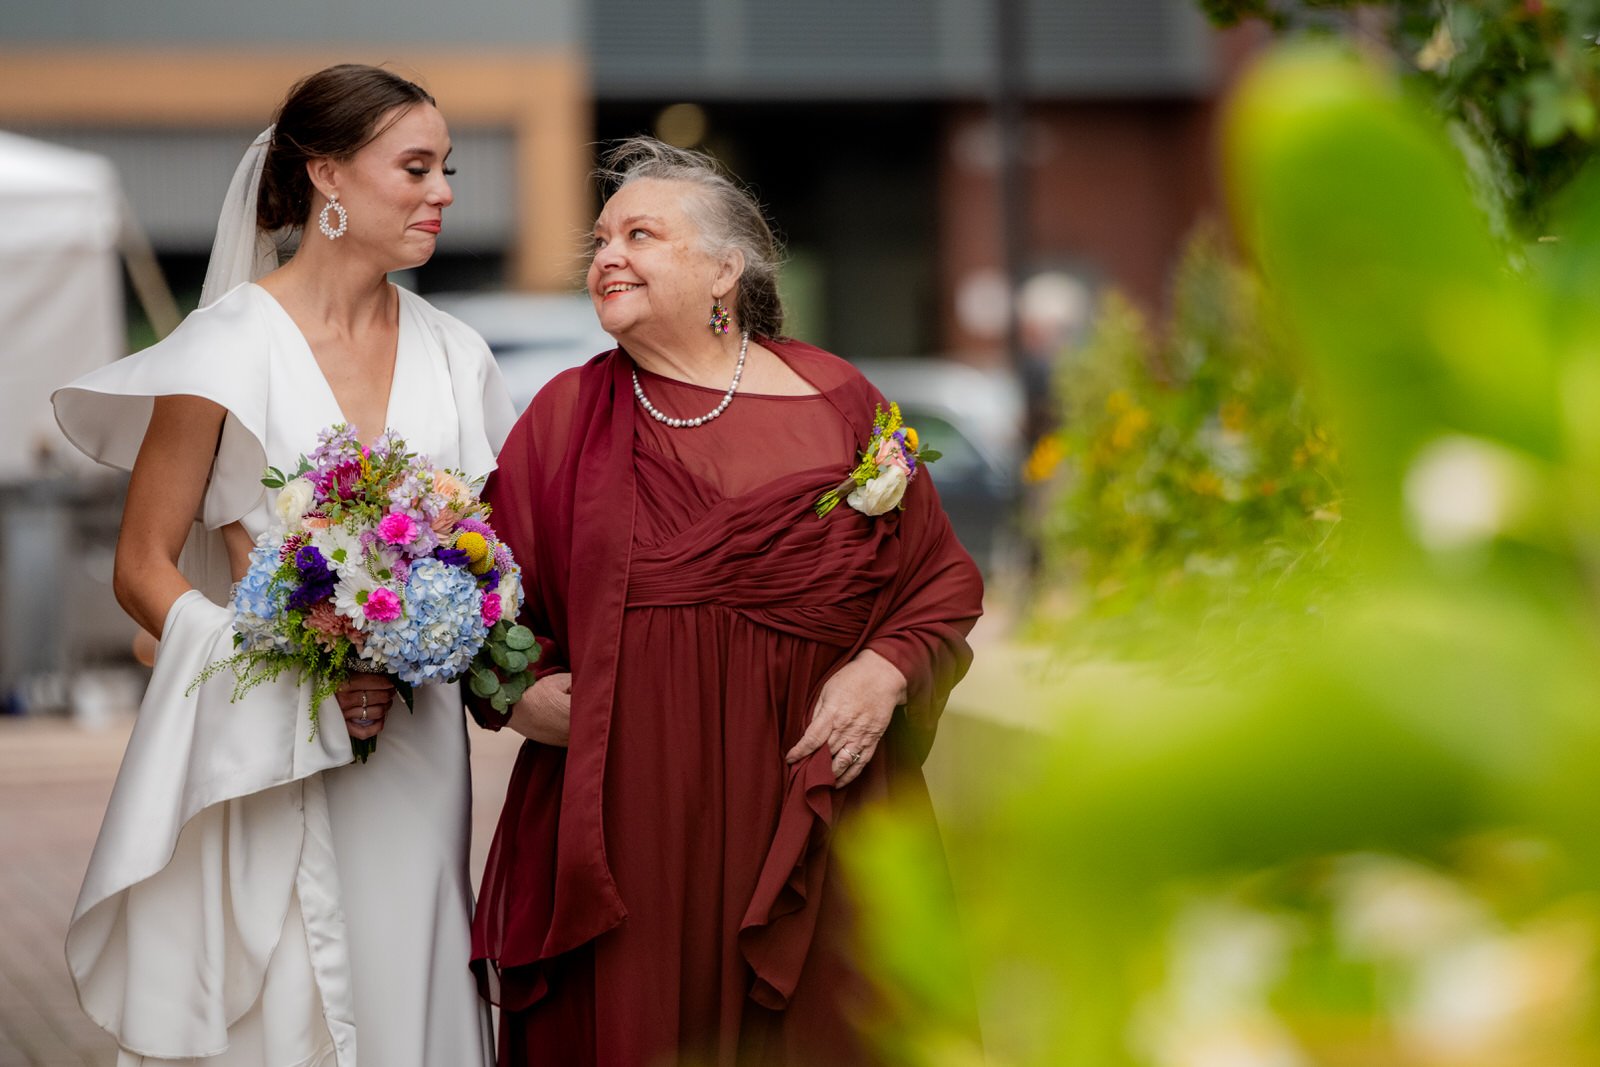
254 898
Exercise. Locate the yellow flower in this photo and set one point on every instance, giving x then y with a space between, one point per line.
477 549
1130 424
911 438
1206 483
1234 415
1045 458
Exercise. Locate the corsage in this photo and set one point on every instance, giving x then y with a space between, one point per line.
889 462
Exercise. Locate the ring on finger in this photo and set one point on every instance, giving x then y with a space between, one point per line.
848 755
363 700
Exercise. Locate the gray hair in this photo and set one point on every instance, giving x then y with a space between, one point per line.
728 214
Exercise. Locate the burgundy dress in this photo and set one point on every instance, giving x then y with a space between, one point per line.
662 888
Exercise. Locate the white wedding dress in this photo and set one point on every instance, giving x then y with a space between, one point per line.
255 899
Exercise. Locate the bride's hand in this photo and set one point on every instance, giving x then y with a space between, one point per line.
365 700
544 714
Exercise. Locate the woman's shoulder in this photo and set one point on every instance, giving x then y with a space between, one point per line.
235 315
220 340
564 401
558 399
830 373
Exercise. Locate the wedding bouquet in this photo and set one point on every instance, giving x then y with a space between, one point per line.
378 562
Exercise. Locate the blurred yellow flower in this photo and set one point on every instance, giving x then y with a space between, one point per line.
1234 415
911 438
1130 424
1206 483
1045 459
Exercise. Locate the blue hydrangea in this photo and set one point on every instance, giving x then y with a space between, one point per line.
441 630
258 602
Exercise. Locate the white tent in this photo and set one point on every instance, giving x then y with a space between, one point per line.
60 291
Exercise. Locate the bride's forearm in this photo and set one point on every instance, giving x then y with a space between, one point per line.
164 495
147 589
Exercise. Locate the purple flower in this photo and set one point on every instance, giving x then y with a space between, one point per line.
453 556
316 580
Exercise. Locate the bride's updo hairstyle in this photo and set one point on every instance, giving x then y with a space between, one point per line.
331 114
728 215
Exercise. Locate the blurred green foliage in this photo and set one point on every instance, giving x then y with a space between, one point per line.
1518 79
1191 477
1382 848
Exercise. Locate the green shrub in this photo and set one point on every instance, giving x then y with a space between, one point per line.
1192 475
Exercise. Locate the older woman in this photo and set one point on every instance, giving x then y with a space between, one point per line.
726 675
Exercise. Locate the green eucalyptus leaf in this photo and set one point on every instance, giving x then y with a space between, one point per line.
502 657
519 638
484 684
516 662
501 701
514 689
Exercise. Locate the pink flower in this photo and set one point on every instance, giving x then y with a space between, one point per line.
397 528
891 453
338 483
491 608
382 605
329 625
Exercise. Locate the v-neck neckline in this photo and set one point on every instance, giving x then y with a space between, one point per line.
316 368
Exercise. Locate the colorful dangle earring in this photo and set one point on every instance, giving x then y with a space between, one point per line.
721 321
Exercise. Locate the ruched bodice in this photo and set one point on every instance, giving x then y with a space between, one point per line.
810 578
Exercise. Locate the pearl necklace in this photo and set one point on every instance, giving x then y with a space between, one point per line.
727 398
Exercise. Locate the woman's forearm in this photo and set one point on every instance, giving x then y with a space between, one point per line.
147 588
164 495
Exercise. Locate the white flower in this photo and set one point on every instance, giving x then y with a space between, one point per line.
1464 491
510 590
294 500
340 547
881 493
347 595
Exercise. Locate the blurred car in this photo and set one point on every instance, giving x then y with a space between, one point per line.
973 417
534 336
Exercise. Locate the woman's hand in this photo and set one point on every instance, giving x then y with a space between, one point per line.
365 700
544 714
852 712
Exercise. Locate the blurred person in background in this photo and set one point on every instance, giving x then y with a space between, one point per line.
253 899
727 677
